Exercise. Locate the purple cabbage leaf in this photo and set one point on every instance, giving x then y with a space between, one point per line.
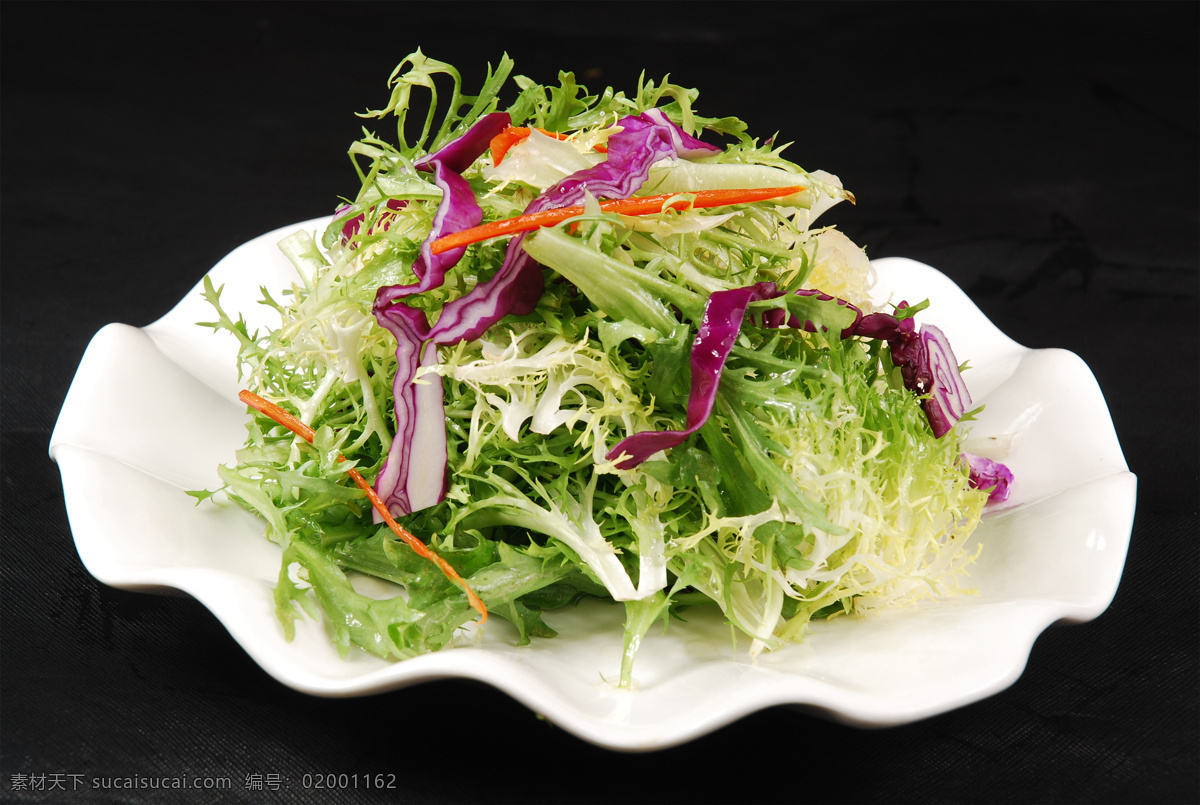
989 475
718 331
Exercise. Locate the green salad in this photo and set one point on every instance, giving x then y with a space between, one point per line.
564 344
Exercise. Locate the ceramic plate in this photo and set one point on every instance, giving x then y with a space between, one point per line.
1053 552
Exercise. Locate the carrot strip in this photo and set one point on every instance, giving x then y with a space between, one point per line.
638 205
305 432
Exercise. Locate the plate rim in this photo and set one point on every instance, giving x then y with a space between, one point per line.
66 454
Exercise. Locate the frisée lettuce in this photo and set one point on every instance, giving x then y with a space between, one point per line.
691 402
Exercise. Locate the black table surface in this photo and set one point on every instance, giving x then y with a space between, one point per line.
1043 156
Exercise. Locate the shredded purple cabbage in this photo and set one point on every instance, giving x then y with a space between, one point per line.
410 478
420 418
948 396
399 486
723 315
990 475
456 211
927 364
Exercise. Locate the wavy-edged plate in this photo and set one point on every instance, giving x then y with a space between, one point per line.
1053 552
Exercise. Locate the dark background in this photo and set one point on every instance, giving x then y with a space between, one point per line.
1043 156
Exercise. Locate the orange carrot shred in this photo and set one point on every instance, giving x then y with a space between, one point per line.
638 205
305 432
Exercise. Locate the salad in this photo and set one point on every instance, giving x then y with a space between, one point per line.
577 344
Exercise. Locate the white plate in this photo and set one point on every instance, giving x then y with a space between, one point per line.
153 411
